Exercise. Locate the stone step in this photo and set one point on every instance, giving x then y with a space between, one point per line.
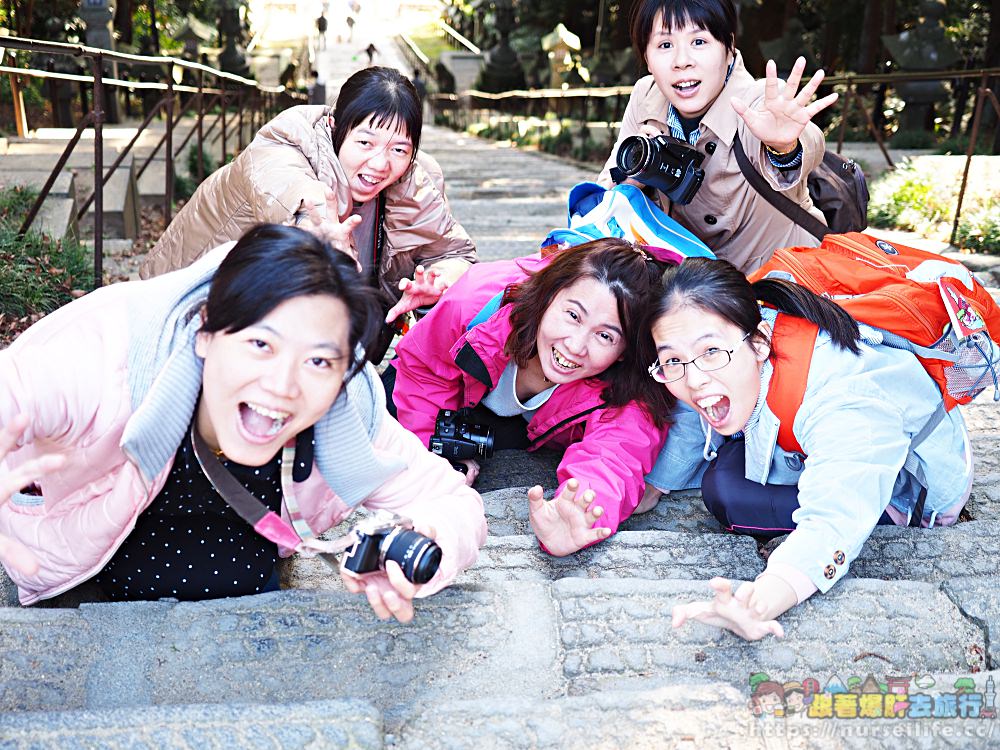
57 218
528 639
64 185
312 724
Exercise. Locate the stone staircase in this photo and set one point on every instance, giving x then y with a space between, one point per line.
525 650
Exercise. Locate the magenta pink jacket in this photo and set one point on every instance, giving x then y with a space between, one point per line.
441 365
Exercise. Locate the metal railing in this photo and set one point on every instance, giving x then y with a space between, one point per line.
607 104
229 92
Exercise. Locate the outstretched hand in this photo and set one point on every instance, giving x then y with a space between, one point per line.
565 524
12 552
337 233
389 593
425 288
742 612
780 119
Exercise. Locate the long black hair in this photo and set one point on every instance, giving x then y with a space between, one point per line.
717 286
632 277
272 264
381 96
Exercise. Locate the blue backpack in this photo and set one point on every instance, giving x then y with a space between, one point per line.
624 211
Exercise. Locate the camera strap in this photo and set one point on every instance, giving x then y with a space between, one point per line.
265 521
787 206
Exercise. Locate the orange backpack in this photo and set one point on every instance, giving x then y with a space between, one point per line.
919 301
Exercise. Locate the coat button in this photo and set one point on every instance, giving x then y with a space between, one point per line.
839 557
710 147
709 219
829 572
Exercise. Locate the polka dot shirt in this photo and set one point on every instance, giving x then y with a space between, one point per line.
189 544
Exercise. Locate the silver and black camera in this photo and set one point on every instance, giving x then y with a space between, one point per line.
386 536
663 162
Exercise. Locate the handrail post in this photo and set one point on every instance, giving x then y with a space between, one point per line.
848 101
980 98
239 110
168 190
201 134
20 114
222 104
98 110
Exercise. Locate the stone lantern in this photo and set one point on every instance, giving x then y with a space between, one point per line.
560 45
97 16
502 71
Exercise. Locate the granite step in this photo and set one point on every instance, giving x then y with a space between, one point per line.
530 639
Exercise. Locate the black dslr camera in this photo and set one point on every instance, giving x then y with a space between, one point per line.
663 162
386 536
457 438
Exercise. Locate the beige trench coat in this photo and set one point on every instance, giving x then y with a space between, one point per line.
727 214
291 162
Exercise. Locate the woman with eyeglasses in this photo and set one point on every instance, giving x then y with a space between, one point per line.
545 349
354 176
856 461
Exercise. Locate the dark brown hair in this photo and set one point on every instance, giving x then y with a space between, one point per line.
717 17
632 277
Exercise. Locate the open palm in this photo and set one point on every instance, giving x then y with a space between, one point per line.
565 524
780 119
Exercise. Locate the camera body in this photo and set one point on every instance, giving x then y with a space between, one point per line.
665 163
457 438
386 536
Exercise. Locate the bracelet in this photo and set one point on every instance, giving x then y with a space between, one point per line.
775 152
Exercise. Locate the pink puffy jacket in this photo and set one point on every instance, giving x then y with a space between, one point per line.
441 365
71 374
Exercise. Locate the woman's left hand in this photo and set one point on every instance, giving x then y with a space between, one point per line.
389 593
425 288
782 117
565 524
743 613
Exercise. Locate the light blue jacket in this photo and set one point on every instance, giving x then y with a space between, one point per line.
856 424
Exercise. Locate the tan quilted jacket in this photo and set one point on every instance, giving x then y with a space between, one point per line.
291 161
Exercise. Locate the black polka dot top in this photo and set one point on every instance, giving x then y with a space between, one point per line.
189 544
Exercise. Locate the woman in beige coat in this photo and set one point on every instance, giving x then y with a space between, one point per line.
700 92
352 175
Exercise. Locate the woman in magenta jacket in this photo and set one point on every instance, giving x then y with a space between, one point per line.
549 344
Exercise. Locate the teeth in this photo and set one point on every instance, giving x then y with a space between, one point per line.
265 412
708 404
685 84
369 180
562 361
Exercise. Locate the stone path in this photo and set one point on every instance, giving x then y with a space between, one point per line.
525 651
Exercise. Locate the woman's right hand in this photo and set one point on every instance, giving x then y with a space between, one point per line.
337 233
747 613
646 130
12 552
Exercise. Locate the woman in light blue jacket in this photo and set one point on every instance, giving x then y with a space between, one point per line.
868 452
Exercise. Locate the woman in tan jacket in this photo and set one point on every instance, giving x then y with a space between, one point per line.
700 92
352 175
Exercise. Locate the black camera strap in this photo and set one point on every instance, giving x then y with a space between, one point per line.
787 206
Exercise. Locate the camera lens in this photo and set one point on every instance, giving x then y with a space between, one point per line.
632 154
417 555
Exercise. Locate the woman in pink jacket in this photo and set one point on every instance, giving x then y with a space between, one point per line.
241 372
547 345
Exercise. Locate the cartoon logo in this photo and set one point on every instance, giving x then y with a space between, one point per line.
886 248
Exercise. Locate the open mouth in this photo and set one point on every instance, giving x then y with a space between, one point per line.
563 363
369 182
716 409
261 422
686 88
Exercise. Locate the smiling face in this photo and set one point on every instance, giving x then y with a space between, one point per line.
580 334
374 157
725 397
689 66
266 383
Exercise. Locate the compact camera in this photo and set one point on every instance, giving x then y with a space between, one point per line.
457 438
385 536
663 162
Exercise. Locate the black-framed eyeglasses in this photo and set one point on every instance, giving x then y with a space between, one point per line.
713 359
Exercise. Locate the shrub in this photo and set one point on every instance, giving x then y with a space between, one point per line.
37 274
979 228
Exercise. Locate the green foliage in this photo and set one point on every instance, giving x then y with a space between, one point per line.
911 198
979 228
913 139
560 144
185 185
960 145
37 274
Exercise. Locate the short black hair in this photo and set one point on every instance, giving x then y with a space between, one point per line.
382 96
718 17
272 264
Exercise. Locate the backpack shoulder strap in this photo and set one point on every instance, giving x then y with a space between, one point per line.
488 309
792 345
788 207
